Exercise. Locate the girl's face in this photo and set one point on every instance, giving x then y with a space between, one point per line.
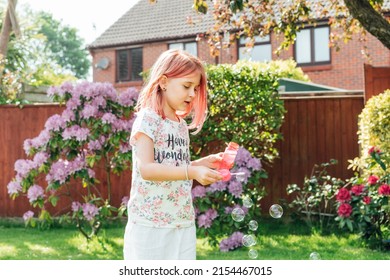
179 93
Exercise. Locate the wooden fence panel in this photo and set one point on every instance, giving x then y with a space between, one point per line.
376 80
315 130
16 125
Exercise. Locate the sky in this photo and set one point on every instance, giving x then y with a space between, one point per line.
90 17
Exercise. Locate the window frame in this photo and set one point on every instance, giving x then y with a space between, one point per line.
312 48
184 43
242 45
129 77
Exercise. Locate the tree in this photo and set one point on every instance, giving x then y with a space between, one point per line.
64 45
258 18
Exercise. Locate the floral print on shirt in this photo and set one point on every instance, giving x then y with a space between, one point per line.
165 203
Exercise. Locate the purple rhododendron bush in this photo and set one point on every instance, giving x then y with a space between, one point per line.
92 132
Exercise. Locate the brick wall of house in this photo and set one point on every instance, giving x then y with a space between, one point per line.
346 70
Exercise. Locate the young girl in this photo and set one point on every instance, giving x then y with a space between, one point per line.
161 219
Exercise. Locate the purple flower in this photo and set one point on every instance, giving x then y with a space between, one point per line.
109 118
128 97
125 200
218 186
254 164
23 167
75 131
235 188
89 111
232 242
40 158
89 211
198 191
14 187
34 193
76 206
68 115
91 173
243 156
37 142
28 215
205 220
99 101
55 123
59 171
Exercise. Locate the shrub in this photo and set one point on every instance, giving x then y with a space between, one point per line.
92 131
244 107
214 204
374 128
363 204
314 201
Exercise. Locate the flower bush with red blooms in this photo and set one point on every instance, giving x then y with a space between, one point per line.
363 204
93 130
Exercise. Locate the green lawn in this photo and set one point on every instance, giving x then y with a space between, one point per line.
276 241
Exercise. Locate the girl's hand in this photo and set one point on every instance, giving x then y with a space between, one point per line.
211 161
204 175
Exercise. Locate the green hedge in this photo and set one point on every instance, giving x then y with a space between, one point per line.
244 106
374 126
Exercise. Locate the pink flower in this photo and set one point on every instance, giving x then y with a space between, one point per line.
343 195
34 193
345 210
384 189
372 179
367 200
28 215
373 149
357 189
89 211
14 187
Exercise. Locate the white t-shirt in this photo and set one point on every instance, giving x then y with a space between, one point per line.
163 204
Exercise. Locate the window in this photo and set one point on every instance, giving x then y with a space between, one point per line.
261 51
129 65
312 46
190 47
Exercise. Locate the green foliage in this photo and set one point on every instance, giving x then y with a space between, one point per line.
64 45
91 133
244 107
374 127
364 207
314 202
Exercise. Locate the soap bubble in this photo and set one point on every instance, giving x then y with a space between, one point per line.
276 211
253 225
315 256
249 240
252 254
247 202
238 214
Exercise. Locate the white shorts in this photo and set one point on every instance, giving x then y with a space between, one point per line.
148 243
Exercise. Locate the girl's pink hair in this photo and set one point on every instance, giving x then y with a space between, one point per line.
176 64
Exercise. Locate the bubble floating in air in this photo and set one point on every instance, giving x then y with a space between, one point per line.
253 225
249 240
247 202
238 214
252 253
315 256
276 211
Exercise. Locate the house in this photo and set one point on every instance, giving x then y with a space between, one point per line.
134 41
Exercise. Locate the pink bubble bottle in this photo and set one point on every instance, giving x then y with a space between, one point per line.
229 156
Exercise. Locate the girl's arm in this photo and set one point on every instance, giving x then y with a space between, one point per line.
211 161
152 171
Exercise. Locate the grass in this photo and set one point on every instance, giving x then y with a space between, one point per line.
276 241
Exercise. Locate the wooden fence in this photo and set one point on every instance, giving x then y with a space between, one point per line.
317 128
